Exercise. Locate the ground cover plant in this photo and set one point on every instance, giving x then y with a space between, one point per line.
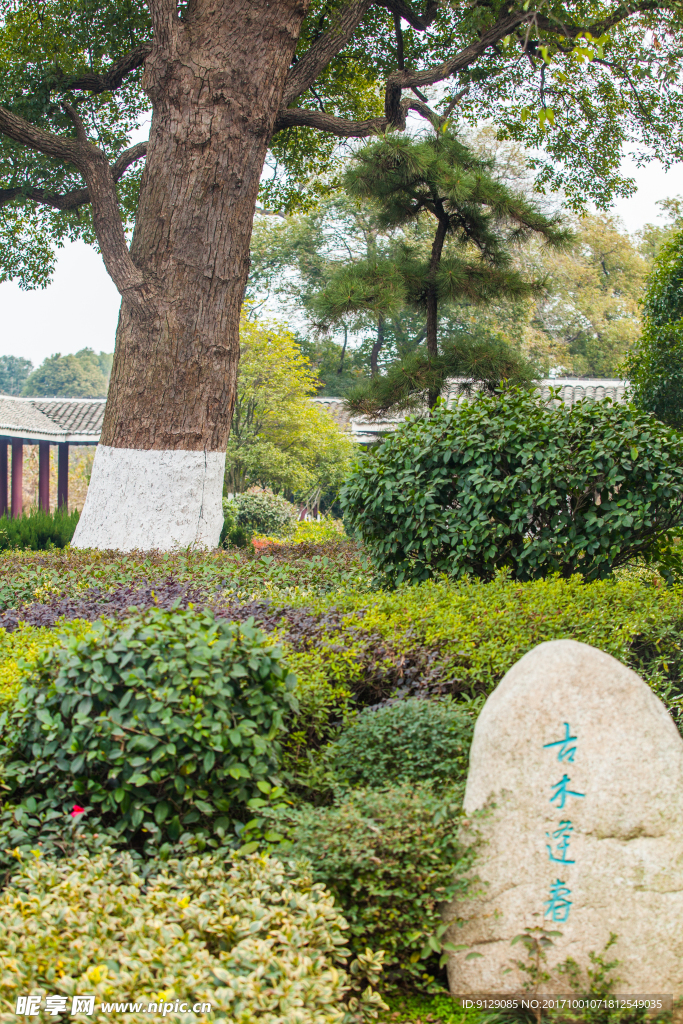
509 482
254 939
40 587
454 638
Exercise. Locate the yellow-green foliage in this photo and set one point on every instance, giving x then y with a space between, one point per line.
19 650
463 637
313 532
317 532
259 941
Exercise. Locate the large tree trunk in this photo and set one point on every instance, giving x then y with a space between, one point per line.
216 83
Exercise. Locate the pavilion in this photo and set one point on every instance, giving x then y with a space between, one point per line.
78 421
44 421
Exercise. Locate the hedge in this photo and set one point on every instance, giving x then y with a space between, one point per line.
257 939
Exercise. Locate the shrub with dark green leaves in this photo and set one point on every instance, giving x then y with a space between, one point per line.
163 726
505 481
390 857
409 740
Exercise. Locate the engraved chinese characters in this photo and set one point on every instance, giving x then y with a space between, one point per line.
577 770
559 904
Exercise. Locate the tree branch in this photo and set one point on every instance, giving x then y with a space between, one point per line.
411 79
401 9
305 72
22 131
94 166
76 197
297 117
128 278
128 157
598 28
111 79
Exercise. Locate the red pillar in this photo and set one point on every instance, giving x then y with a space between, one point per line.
44 475
63 476
17 477
3 477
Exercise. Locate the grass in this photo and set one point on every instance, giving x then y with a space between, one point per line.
417 1009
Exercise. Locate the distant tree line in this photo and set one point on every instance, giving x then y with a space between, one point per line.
83 375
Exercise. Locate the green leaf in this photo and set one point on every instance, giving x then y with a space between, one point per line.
162 811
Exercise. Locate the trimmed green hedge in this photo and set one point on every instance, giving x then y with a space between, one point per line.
391 858
460 638
507 482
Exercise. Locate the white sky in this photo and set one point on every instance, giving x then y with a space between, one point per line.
80 308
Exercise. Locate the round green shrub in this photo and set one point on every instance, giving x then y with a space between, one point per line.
255 939
165 725
507 482
391 859
410 740
265 512
655 365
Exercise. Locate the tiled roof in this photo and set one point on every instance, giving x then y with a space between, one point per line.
75 420
79 420
594 388
367 430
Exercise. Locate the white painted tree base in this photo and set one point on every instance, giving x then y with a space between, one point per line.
148 500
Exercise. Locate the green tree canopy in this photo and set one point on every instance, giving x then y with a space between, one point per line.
475 220
234 86
14 371
575 82
655 366
72 376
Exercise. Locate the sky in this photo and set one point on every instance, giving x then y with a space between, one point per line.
80 307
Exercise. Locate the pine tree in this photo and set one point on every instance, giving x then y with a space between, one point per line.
477 220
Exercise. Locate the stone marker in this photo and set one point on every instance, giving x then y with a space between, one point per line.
585 768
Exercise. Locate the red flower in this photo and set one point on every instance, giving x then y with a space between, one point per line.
77 810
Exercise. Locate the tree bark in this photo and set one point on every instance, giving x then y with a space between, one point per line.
432 298
216 83
377 347
343 351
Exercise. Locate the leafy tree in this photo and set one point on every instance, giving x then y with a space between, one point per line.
505 482
14 370
279 438
231 85
651 237
339 366
655 366
591 305
584 319
78 376
475 220
293 260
